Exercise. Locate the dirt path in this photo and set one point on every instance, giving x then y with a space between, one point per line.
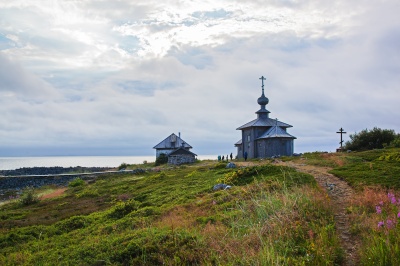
54 194
340 194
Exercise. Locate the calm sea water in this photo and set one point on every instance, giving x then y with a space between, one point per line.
11 163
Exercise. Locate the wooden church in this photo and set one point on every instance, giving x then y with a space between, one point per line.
264 137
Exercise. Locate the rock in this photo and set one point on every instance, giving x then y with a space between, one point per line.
231 165
221 187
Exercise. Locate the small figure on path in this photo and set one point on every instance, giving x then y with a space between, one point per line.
219 158
227 158
245 155
231 156
223 157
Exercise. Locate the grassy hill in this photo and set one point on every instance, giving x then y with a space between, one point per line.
272 215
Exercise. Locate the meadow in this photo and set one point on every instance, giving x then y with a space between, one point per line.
272 215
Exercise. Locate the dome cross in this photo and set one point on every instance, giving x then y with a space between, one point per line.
262 83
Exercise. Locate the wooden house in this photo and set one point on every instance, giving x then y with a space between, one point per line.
177 150
264 137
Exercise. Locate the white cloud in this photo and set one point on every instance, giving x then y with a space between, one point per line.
127 74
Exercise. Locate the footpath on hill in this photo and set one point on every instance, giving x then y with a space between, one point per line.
340 194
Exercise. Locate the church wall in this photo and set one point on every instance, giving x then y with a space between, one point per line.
277 147
239 151
248 136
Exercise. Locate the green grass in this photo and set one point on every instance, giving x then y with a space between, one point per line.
271 215
371 168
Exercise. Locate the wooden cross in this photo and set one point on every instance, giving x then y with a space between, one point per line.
341 132
262 82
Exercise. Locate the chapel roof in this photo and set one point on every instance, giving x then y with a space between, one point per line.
238 143
172 142
264 122
276 132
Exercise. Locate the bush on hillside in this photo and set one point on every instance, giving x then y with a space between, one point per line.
29 197
77 182
370 139
395 143
123 166
162 159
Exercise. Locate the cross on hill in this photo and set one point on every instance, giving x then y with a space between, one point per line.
341 132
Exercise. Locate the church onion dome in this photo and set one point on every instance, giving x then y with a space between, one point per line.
263 100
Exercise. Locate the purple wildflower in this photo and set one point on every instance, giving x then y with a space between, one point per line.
381 203
393 200
398 215
389 223
378 209
381 224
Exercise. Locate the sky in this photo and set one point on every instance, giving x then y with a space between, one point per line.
85 77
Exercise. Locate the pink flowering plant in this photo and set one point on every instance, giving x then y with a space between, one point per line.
389 213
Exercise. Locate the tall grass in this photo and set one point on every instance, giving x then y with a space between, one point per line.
278 226
375 216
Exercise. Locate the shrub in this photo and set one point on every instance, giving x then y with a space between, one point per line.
390 157
162 159
220 165
123 208
395 143
73 223
370 139
29 197
123 166
76 182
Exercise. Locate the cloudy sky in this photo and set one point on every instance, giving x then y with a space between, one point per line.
86 77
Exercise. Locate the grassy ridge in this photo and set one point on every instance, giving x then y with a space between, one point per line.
376 167
271 215
375 210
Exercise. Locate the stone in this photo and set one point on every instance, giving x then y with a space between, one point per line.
231 165
221 187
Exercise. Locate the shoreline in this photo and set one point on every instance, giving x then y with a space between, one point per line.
13 163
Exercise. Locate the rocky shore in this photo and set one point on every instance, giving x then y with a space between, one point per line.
51 170
12 182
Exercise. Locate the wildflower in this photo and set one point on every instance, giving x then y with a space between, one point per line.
393 200
389 223
381 224
390 195
398 215
378 209
381 203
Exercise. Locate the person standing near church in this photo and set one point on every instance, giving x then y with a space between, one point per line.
231 156
245 155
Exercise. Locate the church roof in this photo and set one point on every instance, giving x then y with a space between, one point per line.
264 122
238 143
172 142
276 132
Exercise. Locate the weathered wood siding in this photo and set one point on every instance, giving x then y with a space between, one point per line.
274 147
181 159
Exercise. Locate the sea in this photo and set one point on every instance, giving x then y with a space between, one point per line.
12 163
